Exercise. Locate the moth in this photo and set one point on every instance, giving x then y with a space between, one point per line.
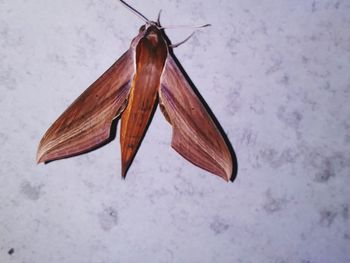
145 75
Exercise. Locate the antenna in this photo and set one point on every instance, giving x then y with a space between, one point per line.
135 11
183 41
158 19
184 26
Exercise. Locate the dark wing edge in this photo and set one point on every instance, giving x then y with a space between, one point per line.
87 122
195 135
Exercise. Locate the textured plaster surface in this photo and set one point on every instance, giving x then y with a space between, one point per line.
276 74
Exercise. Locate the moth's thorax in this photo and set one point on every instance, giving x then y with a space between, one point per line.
152 33
152 48
153 38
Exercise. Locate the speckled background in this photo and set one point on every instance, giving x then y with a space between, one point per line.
276 74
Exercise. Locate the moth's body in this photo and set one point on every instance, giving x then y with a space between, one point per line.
151 53
130 88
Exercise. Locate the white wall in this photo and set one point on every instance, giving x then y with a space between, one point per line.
276 75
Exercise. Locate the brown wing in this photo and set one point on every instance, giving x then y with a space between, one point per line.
87 122
195 135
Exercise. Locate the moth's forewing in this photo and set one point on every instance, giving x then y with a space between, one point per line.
195 135
87 122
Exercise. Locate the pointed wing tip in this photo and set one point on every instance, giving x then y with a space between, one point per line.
225 172
226 176
226 179
40 157
125 167
229 175
43 155
226 168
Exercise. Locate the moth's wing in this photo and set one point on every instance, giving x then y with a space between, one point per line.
87 122
195 135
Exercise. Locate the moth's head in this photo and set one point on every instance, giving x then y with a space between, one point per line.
152 31
150 26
